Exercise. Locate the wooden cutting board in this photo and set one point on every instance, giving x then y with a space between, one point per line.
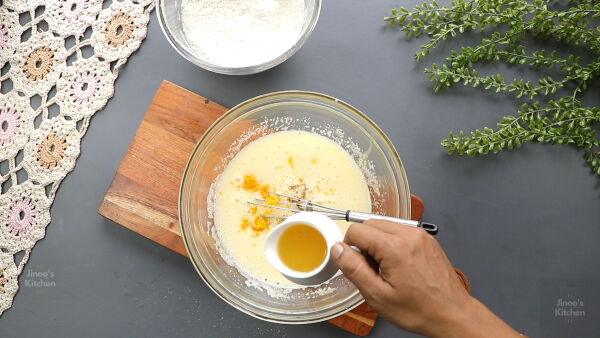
144 192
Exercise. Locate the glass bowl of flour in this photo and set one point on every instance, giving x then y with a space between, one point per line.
237 37
324 143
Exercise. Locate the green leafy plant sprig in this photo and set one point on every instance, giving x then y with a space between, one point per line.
505 24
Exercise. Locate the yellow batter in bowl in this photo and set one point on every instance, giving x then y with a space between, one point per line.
307 118
296 162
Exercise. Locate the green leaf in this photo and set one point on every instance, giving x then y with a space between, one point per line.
504 24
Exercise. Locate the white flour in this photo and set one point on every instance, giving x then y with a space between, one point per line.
240 33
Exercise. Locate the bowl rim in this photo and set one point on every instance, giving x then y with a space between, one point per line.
246 70
239 303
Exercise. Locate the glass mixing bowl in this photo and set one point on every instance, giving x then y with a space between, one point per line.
289 110
169 17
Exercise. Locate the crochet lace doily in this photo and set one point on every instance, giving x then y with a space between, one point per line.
59 60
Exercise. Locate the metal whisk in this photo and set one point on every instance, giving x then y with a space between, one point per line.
295 204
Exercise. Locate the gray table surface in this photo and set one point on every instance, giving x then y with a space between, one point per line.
522 225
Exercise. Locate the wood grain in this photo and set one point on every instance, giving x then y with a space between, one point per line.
144 192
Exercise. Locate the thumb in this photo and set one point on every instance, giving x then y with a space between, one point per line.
355 267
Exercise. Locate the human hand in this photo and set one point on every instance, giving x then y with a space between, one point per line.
416 287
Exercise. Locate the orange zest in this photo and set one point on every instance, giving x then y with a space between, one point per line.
245 223
264 191
250 183
260 222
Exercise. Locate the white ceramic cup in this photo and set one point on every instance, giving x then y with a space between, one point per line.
330 232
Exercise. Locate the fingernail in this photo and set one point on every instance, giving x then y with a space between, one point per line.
336 250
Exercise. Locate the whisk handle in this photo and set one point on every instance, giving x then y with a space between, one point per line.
359 217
